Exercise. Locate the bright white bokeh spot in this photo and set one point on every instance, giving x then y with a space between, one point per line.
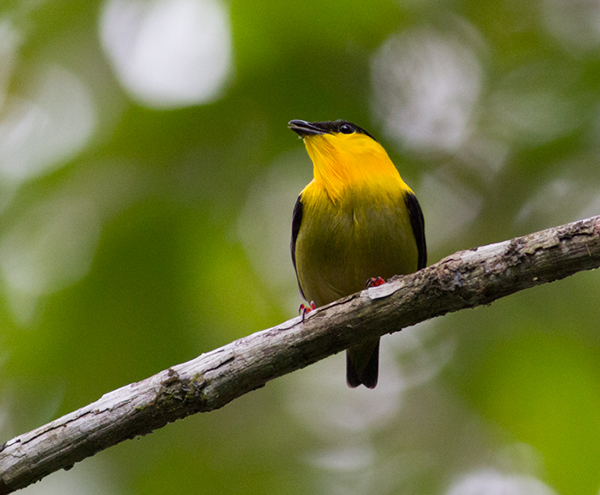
47 127
490 482
449 207
344 459
168 53
575 22
360 470
425 87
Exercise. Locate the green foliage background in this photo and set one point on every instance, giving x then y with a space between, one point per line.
162 233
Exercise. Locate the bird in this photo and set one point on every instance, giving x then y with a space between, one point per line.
355 224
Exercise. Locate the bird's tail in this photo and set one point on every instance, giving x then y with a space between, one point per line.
362 364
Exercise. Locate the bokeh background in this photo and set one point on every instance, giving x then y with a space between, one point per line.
147 181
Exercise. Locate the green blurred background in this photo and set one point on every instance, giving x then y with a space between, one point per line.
147 180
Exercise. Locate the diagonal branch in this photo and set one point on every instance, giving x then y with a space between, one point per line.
462 280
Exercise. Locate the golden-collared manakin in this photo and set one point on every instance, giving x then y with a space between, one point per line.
355 222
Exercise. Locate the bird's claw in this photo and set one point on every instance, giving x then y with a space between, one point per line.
305 309
375 282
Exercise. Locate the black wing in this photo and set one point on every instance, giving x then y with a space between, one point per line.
296 221
418 225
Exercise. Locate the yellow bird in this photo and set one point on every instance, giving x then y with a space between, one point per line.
356 223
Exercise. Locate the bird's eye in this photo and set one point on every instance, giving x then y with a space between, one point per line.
346 129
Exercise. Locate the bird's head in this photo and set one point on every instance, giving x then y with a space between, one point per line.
344 155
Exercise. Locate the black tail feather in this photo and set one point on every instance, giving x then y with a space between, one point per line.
362 365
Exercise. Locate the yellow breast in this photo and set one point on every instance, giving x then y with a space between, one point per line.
363 232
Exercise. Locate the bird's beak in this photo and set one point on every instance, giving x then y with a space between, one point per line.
303 128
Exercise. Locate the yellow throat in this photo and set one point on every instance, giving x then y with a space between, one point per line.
354 162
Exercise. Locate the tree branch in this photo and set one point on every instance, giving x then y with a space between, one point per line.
462 280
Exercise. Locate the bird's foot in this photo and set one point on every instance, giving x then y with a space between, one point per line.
305 309
375 282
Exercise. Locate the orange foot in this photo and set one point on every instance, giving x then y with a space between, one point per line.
304 309
375 282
